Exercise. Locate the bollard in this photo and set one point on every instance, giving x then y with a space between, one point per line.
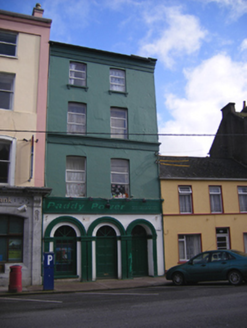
15 277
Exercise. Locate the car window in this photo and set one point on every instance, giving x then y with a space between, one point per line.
202 258
218 256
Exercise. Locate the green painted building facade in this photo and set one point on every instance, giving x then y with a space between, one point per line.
103 218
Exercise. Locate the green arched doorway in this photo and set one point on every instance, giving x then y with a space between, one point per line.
139 252
106 253
65 251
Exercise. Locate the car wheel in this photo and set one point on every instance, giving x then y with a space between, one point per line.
235 277
178 279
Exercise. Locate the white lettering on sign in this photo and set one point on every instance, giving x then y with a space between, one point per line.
49 259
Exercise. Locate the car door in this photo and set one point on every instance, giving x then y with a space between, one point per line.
219 264
197 269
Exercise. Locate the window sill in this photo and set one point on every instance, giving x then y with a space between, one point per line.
118 92
6 56
76 86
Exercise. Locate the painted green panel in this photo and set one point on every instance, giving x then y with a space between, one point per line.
106 253
139 252
100 206
97 146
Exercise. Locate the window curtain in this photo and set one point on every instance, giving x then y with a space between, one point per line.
242 193
185 203
76 120
193 245
75 176
117 80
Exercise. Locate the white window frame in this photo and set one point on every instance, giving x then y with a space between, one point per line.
7 43
119 178
76 185
222 237
215 199
79 81
9 78
242 197
76 118
185 196
119 118
185 248
12 152
117 80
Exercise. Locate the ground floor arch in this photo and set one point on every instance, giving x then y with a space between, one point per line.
106 253
139 251
102 249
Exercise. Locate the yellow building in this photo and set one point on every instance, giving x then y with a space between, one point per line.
204 208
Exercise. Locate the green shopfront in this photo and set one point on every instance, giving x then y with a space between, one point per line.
95 238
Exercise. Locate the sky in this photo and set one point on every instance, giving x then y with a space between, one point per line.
200 47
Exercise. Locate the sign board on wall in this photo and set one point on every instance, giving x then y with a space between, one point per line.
101 206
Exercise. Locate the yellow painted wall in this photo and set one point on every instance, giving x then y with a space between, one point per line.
201 221
23 115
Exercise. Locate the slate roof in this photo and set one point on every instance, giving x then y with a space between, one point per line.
172 167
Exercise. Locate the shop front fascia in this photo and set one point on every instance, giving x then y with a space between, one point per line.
89 214
20 232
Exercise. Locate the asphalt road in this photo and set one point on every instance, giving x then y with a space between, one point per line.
203 305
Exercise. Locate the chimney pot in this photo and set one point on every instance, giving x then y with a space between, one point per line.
244 104
37 10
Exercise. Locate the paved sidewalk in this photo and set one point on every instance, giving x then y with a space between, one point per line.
66 286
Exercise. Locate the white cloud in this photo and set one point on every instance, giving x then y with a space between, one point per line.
243 45
210 86
67 17
181 36
237 8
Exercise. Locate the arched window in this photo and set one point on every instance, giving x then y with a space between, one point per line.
65 251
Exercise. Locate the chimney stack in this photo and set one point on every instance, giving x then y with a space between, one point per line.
37 10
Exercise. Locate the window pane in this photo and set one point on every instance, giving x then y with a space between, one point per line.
5 100
75 190
189 246
119 178
185 200
117 80
7 43
118 123
10 244
75 177
6 90
119 165
76 119
15 249
4 161
15 225
242 194
77 74
185 204
3 249
215 199
181 250
75 163
6 82
3 225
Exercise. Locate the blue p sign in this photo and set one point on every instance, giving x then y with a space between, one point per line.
48 279
49 259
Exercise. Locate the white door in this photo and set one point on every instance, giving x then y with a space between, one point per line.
222 235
